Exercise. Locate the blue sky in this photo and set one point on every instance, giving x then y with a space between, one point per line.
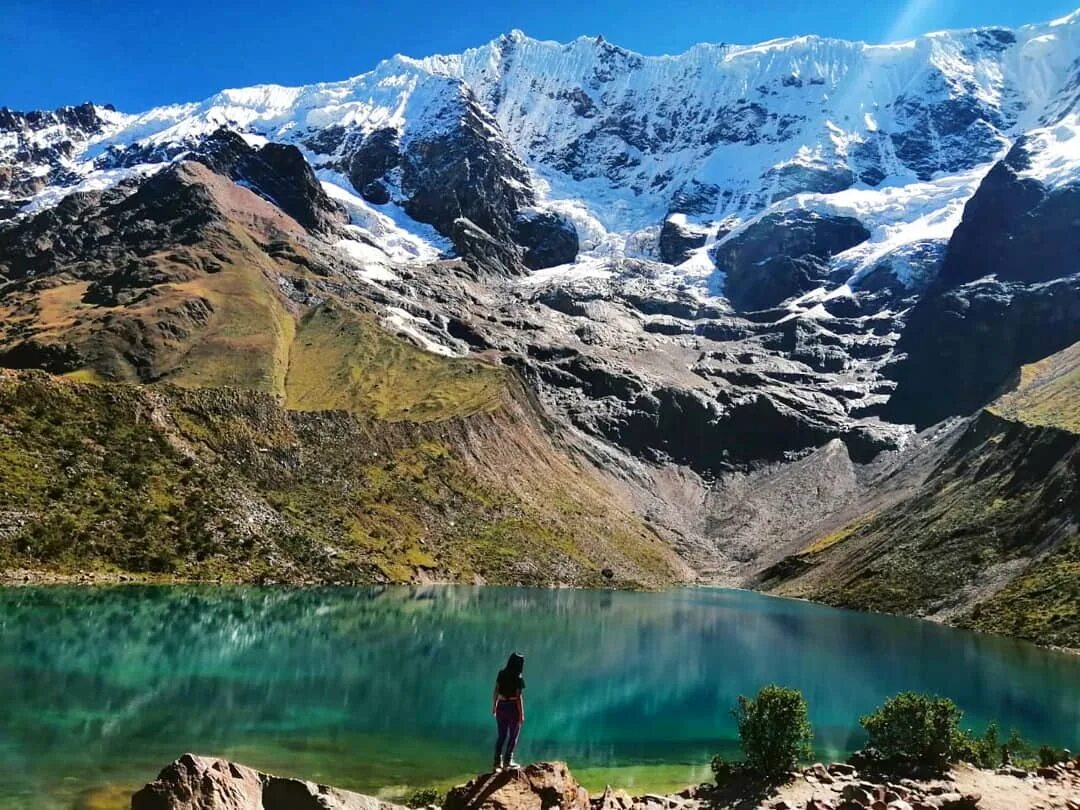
137 54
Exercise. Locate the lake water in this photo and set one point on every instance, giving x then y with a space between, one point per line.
388 689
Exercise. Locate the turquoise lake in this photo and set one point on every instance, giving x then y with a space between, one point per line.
384 690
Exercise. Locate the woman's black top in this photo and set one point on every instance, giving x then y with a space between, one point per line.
510 684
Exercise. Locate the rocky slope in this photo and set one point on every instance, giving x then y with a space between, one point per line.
754 287
194 782
289 435
989 539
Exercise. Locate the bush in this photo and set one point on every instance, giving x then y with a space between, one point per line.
723 771
985 751
1019 751
422 798
774 731
918 728
1050 756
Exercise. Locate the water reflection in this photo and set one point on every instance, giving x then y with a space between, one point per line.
368 686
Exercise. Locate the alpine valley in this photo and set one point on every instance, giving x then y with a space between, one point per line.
801 316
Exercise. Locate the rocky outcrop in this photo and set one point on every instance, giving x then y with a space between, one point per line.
483 253
36 146
679 240
953 132
275 171
548 239
465 170
783 255
541 786
1016 227
961 347
369 163
201 783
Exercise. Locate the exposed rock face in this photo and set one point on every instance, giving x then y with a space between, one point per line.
1015 227
961 347
541 786
367 166
201 783
36 144
465 172
277 172
795 178
951 132
485 254
782 255
115 226
548 239
679 240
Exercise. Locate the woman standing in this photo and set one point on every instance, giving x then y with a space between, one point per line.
508 708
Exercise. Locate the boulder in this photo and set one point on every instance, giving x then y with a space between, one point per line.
958 801
540 786
679 240
193 782
857 794
841 769
203 783
548 239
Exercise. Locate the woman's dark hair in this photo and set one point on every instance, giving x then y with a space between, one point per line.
509 679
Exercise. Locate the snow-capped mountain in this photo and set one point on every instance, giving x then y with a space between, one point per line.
757 286
897 135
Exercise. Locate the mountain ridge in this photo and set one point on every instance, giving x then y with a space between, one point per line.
723 276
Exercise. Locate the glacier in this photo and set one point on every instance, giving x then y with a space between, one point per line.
897 135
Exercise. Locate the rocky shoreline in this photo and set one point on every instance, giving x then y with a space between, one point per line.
196 783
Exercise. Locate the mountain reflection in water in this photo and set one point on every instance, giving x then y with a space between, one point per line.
373 688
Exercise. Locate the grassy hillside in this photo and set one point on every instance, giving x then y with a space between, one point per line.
226 406
992 538
222 483
1047 393
343 360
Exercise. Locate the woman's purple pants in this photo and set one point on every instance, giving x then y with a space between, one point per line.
507 719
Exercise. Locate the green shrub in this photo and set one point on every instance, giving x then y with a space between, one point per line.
1019 751
722 770
774 730
1050 756
424 797
984 751
919 729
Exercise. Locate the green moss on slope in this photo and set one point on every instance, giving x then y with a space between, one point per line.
1048 393
342 360
1043 603
206 484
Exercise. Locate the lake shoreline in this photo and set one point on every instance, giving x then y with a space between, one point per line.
194 781
386 690
38 577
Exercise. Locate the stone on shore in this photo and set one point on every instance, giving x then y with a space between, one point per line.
539 786
204 783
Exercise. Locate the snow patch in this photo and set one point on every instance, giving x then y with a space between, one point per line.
95 181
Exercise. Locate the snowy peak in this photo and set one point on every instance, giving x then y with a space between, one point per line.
610 143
